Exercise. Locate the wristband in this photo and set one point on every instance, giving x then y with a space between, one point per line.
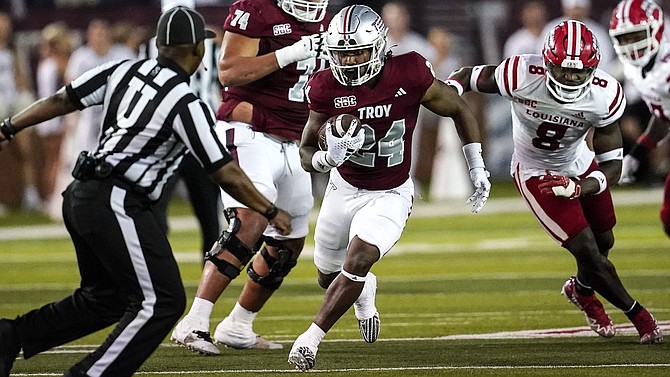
456 85
473 155
601 178
320 162
271 213
7 129
614 154
474 77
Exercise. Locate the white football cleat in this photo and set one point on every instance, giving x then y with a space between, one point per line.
235 335
302 355
192 333
368 325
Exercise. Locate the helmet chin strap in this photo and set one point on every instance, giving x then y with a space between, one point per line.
561 92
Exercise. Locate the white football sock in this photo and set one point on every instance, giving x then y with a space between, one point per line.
313 336
201 309
242 316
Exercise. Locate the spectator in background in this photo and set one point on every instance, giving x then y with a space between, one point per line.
525 39
15 94
450 178
55 50
128 36
580 10
99 49
402 39
81 134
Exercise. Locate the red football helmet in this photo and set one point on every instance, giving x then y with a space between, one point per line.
571 56
636 29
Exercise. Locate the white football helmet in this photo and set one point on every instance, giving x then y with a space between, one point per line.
643 20
305 10
356 28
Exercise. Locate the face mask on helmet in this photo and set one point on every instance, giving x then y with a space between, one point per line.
636 30
571 56
305 10
356 45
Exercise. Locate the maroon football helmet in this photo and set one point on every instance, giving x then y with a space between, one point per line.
636 29
571 56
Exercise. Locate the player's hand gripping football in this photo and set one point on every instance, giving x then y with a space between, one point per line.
480 179
341 148
559 185
307 47
629 167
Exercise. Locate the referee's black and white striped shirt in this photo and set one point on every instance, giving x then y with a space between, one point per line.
151 118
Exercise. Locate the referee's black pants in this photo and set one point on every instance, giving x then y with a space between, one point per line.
128 276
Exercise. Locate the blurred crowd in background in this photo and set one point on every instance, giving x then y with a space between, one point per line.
46 43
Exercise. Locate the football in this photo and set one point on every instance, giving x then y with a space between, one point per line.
340 125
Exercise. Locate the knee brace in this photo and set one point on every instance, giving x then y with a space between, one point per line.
229 241
278 267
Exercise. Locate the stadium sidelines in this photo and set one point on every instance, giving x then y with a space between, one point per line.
421 209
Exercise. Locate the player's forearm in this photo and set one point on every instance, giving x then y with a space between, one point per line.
236 183
476 79
239 70
466 125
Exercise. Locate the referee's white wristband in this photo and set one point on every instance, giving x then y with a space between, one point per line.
320 162
601 178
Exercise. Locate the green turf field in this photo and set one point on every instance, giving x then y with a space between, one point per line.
449 285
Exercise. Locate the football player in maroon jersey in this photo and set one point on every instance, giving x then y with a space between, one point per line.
370 193
269 49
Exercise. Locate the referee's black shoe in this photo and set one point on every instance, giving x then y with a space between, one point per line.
9 347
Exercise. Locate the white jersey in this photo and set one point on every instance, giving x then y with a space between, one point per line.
654 86
548 134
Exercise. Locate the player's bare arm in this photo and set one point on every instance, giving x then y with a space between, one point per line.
309 142
444 101
608 146
238 63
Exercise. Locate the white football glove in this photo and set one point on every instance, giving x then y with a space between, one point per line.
480 179
307 47
629 167
341 148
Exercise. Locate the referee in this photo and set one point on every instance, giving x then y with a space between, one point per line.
129 276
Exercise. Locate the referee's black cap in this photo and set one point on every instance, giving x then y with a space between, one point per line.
181 26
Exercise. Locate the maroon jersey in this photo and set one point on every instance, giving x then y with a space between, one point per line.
278 98
388 113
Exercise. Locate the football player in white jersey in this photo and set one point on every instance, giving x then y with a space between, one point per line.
557 99
636 29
